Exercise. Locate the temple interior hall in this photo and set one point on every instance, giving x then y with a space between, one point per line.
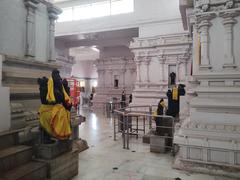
119 89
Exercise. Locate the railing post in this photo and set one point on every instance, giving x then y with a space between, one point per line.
127 133
150 117
123 130
114 126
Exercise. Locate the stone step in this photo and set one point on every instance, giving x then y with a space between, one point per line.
9 138
14 156
32 170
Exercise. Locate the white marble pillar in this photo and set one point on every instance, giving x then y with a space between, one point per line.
177 72
161 69
228 22
30 27
111 78
138 62
204 26
146 63
53 13
123 71
99 78
103 78
165 72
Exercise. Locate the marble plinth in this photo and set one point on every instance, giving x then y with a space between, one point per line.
50 151
63 167
4 109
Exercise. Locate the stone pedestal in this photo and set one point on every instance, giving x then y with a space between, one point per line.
4 109
5 103
157 144
51 151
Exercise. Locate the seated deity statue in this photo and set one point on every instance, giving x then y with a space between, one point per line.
54 113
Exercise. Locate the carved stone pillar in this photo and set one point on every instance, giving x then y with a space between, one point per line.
53 13
177 72
111 77
123 71
99 78
165 72
138 71
103 78
228 22
204 25
147 62
161 68
31 6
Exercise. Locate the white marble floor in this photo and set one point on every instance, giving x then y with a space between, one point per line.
104 154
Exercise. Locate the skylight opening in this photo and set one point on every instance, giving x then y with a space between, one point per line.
96 10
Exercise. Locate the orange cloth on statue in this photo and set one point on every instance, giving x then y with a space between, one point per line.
55 120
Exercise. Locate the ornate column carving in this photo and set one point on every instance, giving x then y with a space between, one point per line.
147 62
138 62
111 76
161 68
53 13
31 6
204 25
228 22
177 72
123 71
103 78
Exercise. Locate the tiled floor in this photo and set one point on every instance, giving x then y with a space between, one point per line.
107 160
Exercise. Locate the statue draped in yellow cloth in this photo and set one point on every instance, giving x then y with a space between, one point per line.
56 105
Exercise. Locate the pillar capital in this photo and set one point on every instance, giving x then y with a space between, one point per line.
32 4
53 12
203 20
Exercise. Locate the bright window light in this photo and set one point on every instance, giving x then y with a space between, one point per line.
66 15
94 84
101 9
82 12
121 6
82 83
97 9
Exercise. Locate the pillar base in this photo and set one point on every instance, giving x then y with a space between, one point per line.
229 66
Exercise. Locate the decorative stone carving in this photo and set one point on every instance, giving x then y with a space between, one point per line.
31 6
228 22
212 129
165 49
229 4
53 13
203 25
215 5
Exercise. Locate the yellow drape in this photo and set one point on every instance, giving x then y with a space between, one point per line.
50 95
55 120
163 104
175 93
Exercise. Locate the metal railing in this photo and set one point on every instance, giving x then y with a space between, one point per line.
126 119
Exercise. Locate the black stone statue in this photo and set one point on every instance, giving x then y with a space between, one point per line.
173 104
172 78
58 93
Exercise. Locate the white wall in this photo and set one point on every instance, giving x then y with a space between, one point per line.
13 29
84 69
146 11
116 51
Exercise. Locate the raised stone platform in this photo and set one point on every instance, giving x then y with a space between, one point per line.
51 151
63 167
